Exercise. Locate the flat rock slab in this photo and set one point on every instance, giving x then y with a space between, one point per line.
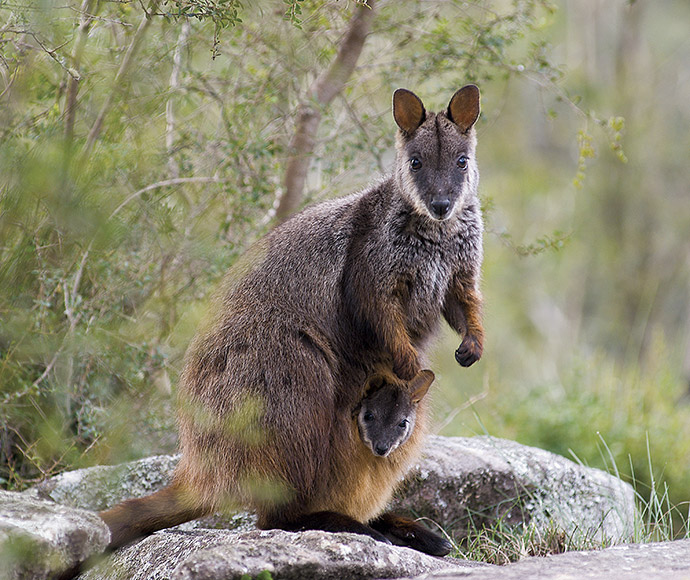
40 539
226 555
667 561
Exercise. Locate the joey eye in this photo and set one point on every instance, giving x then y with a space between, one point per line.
415 164
462 162
403 423
368 416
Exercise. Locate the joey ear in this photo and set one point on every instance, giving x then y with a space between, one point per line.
420 384
463 109
408 110
375 382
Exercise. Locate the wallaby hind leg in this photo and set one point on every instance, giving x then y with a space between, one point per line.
330 522
135 518
403 531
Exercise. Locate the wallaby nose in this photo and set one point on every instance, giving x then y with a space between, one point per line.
381 449
440 206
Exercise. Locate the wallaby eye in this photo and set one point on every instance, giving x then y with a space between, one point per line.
403 423
462 162
368 416
415 164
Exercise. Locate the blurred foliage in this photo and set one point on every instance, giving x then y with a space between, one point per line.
589 337
142 149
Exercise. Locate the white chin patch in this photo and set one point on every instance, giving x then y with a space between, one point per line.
412 194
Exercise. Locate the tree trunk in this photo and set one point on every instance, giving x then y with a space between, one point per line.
324 89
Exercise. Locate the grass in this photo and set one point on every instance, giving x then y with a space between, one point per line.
629 416
659 520
502 544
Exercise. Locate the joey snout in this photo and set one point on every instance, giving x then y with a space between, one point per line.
382 449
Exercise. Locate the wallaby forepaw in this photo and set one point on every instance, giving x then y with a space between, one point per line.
469 351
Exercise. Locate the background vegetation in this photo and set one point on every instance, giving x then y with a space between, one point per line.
143 147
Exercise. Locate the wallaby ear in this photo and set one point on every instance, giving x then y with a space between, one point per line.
408 110
463 109
420 384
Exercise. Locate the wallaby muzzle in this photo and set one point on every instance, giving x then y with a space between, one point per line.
381 450
440 208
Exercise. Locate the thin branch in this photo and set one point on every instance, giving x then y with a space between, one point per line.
80 272
174 87
166 183
51 52
324 89
122 71
73 84
8 84
466 405
49 367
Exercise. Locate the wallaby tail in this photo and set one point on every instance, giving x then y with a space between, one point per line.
135 518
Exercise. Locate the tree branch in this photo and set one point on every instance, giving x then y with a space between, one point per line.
122 71
174 87
166 183
324 89
85 21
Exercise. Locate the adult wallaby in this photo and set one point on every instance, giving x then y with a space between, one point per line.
269 383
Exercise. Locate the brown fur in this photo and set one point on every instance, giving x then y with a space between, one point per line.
315 306
375 478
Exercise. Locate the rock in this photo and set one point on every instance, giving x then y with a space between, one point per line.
40 539
226 555
660 561
460 483
98 488
463 483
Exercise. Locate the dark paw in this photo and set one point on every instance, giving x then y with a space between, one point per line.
403 531
425 541
469 351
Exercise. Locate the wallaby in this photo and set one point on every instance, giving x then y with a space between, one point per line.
387 414
270 382
392 417
363 476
